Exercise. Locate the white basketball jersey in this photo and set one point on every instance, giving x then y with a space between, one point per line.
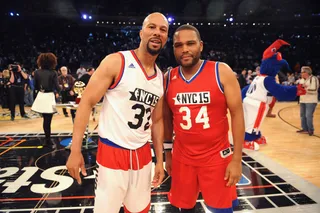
256 105
257 91
125 115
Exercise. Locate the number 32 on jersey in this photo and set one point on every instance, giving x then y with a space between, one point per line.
202 117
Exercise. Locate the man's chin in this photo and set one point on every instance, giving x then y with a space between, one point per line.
154 51
186 64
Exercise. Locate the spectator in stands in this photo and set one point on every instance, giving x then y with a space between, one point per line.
81 71
242 79
308 102
86 77
66 82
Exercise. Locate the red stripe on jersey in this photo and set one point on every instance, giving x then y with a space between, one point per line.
262 109
120 74
142 68
119 158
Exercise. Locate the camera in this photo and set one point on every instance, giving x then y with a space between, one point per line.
14 68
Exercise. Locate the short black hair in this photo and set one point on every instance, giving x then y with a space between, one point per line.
188 27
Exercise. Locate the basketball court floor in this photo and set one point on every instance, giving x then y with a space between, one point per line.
33 177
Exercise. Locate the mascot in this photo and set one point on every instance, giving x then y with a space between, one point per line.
257 96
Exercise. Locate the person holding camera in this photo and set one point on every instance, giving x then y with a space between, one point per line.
16 90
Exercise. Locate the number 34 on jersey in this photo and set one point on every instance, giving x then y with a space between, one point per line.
200 116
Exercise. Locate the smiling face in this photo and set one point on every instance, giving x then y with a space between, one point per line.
154 33
187 47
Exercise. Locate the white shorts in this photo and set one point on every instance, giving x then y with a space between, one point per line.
254 114
120 181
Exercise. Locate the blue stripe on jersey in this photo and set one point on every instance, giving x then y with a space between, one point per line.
193 77
218 78
168 81
226 210
106 141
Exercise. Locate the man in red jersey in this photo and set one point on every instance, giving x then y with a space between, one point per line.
198 94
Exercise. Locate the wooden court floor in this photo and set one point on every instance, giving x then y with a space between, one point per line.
298 153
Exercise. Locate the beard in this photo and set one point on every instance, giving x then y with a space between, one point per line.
153 52
190 64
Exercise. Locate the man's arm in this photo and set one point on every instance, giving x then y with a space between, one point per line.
99 83
11 77
157 130
24 75
167 117
233 97
314 84
168 130
157 140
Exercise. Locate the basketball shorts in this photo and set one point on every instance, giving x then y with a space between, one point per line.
123 178
187 181
254 114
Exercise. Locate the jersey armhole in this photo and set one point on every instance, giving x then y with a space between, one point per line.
167 81
218 77
117 81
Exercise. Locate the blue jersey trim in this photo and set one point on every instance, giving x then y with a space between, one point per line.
235 203
218 77
195 75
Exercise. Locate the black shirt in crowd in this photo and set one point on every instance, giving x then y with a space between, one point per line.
85 79
18 79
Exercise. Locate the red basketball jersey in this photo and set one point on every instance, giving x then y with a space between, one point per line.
199 111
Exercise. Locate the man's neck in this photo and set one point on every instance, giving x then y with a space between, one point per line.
147 60
188 72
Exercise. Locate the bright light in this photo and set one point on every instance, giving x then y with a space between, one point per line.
84 16
231 19
18 14
11 14
90 17
170 19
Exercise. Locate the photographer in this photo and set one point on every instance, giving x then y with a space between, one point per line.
4 81
16 89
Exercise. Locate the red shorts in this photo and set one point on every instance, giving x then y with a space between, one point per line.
187 181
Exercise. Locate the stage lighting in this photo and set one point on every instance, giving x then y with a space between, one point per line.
11 14
170 19
84 16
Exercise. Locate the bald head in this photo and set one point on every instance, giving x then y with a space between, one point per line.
155 16
154 33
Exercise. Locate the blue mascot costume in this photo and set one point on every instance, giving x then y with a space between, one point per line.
257 96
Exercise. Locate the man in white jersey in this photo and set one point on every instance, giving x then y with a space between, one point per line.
132 86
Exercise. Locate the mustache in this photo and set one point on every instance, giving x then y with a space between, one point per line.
155 38
186 55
